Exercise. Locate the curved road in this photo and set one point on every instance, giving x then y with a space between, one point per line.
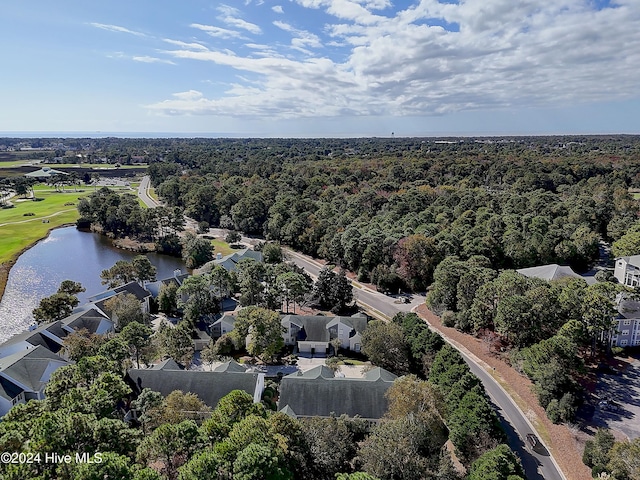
538 464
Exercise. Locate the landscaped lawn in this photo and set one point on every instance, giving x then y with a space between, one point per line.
220 246
18 231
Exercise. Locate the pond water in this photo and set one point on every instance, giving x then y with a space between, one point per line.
66 254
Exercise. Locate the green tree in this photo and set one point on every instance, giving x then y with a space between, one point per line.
176 343
264 331
596 453
293 286
233 237
272 253
204 465
627 245
172 445
386 347
124 309
331 443
474 427
144 270
60 304
196 251
624 460
200 299
411 455
332 290
417 257
137 337
168 298
121 273
499 463
82 343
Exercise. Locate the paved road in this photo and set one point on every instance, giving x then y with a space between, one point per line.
538 463
143 192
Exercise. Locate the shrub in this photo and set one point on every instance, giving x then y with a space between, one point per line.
617 350
28 214
448 318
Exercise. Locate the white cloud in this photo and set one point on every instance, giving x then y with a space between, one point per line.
231 16
217 31
148 59
431 58
116 28
277 9
187 45
302 38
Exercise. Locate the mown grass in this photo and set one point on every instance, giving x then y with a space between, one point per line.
18 231
152 193
222 247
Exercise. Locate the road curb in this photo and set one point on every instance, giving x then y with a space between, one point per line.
465 352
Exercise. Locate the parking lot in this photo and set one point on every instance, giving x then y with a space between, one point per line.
618 405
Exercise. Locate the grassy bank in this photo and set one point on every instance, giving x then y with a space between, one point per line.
19 231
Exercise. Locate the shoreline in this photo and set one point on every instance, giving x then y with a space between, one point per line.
5 268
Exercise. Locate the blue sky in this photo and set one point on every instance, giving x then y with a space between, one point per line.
292 68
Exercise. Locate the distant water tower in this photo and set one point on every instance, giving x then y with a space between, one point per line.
392 135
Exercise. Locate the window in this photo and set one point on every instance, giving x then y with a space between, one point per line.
625 332
627 322
623 343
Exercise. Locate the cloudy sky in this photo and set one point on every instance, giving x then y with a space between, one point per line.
321 67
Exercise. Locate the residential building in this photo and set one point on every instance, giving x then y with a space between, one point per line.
627 270
553 271
51 335
319 393
209 386
626 330
24 375
229 262
314 333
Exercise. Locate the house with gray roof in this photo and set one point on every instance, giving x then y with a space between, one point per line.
313 333
209 386
24 375
52 335
549 272
626 324
154 287
627 270
47 335
98 301
91 320
229 262
319 393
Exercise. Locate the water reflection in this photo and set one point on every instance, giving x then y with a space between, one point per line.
66 254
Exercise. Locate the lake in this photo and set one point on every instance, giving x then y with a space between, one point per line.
66 254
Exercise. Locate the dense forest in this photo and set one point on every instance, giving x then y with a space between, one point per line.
391 210
453 217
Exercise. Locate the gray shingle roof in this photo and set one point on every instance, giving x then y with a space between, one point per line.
548 272
8 389
133 288
88 319
29 367
230 366
318 393
168 364
38 336
210 387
